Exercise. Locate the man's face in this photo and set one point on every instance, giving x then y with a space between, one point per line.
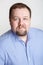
20 21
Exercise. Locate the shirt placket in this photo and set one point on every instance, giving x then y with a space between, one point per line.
28 55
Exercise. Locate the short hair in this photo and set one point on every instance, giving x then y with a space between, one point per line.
19 5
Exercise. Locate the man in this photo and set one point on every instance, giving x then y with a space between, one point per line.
21 45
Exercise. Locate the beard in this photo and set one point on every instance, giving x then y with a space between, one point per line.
21 31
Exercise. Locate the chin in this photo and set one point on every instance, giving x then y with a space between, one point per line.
22 33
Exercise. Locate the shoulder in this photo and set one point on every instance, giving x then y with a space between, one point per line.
36 39
36 35
36 31
5 39
5 43
5 35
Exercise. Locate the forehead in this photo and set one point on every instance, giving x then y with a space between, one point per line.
21 11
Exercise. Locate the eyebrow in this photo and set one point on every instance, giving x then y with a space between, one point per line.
23 16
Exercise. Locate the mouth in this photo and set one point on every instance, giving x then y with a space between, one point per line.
21 28
21 31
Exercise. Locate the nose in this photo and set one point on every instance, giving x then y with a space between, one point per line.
20 22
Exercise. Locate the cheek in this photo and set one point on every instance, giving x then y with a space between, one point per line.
28 25
14 25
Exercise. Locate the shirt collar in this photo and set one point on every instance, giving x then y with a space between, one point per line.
21 41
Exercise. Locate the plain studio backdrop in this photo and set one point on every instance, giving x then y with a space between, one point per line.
37 13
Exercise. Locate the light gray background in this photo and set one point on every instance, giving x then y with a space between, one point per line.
37 13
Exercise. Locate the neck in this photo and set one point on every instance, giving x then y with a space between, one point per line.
24 38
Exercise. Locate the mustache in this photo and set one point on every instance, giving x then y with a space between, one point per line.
21 26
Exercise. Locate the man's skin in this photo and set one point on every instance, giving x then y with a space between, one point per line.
20 22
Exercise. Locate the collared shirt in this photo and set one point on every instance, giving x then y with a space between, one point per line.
14 51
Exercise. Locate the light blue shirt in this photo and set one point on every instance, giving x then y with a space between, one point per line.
14 51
